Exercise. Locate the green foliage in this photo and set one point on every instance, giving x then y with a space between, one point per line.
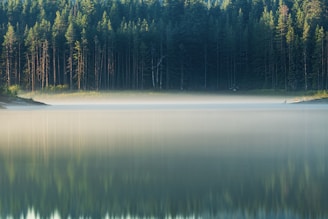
321 94
57 88
12 90
192 44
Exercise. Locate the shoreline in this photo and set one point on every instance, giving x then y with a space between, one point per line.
7 101
312 101
17 101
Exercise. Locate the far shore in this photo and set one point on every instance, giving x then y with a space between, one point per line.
313 101
39 99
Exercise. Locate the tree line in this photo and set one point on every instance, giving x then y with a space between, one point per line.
164 44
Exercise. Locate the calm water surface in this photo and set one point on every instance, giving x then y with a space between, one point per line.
164 160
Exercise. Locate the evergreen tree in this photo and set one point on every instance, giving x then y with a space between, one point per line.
290 40
281 42
318 59
70 36
168 44
9 50
305 42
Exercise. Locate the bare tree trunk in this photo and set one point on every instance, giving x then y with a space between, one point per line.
64 68
305 70
96 63
181 74
33 69
8 67
37 66
289 61
71 67
217 64
28 69
15 67
181 47
322 63
327 60
161 69
45 64
54 63
152 70
205 66
19 63
85 67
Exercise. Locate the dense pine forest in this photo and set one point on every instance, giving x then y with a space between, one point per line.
164 44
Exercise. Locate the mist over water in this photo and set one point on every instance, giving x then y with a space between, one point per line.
193 155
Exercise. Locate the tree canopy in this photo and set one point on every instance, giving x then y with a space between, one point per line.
164 44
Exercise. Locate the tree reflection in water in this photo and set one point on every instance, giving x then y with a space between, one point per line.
143 166
96 184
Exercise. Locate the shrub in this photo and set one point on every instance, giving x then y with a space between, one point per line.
57 88
13 90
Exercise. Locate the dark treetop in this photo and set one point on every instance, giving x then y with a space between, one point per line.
168 44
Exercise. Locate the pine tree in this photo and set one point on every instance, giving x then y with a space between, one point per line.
58 48
318 59
9 50
281 41
290 40
305 42
70 36
267 23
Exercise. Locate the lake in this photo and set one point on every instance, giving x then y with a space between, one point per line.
158 157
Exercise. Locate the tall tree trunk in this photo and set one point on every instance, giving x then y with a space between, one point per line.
96 63
33 68
71 67
152 69
8 67
217 64
326 60
181 47
205 66
305 70
161 68
181 73
54 64
322 64
19 63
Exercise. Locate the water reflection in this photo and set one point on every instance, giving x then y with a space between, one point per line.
251 162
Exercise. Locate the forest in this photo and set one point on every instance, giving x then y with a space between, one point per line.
164 44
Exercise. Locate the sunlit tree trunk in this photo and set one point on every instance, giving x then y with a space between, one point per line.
9 42
70 37
326 60
79 61
205 66
181 47
54 63
70 67
305 37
